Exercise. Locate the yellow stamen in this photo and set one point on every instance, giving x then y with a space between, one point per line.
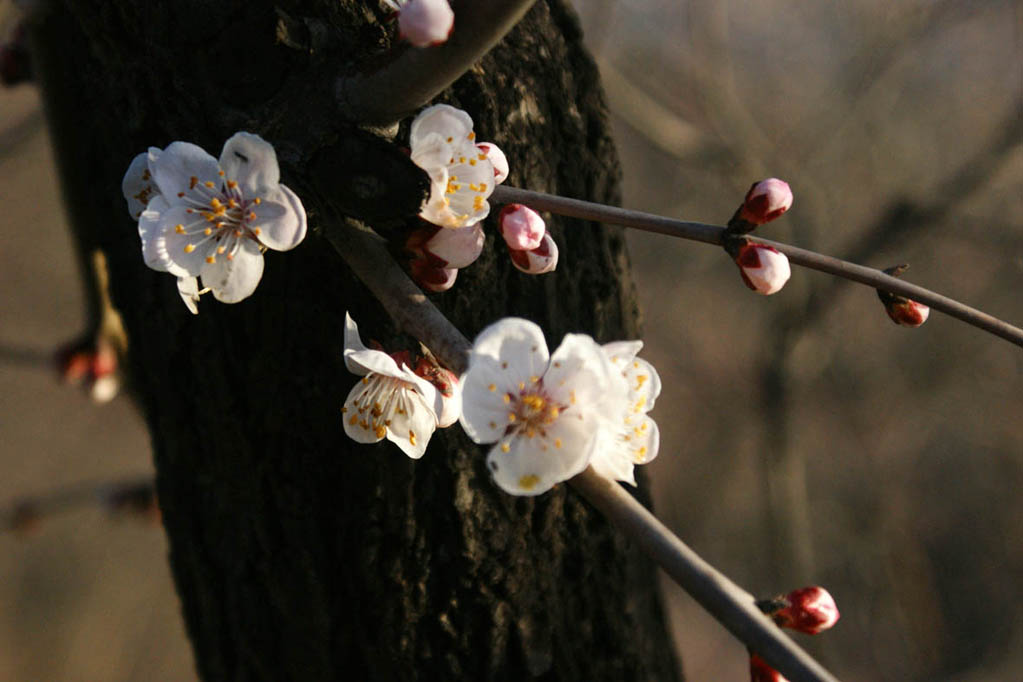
189 248
529 481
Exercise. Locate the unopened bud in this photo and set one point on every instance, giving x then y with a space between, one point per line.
447 247
759 671
497 159
902 311
431 277
425 22
543 258
765 201
764 269
810 610
522 227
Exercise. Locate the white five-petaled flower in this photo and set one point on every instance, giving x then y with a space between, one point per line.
461 174
390 401
635 437
210 219
546 413
423 22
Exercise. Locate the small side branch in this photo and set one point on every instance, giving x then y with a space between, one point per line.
368 258
712 234
382 95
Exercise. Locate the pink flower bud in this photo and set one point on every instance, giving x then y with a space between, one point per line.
907 312
426 22
447 247
759 671
808 609
497 159
431 277
765 201
764 269
543 258
522 227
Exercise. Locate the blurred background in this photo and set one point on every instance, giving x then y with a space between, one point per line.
805 438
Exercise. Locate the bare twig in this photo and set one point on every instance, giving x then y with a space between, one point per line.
712 234
366 254
382 95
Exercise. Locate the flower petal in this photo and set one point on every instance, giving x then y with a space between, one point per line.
138 185
154 245
353 344
358 429
188 288
280 219
443 119
250 161
644 384
234 279
622 352
412 428
580 374
531 466
517 344
186 247
484 387
174 168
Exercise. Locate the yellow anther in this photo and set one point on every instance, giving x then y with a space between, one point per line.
640 380
211 259
471 135
481 156
534 379
221 250
215 202
529 481
505 447
354 419
257 201
256 231
461 159
506 398
571 398
492 387
472 162
208 231
189 248
411 437
230 256
231 184
639 404
192 182
557 442
180 229
512 418
483 187
554 412
220 173
530 433
252 215
237 233
365 380
231 203
209 184
380 431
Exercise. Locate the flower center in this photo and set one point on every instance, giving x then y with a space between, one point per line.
222 218
381 397
532 410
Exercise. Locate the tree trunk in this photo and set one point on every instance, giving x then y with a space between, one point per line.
298 554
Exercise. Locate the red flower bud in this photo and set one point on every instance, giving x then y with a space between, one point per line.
765 201
764 269
809 609
522 227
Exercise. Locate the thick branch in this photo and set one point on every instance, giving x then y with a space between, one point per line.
414 76
712 234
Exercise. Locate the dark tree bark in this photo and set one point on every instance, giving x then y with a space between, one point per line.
298 554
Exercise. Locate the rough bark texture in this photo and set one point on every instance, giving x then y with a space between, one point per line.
298 554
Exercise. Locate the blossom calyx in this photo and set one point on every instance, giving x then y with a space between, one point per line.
538 261
903 311
765 201
810 610
764 269
431 277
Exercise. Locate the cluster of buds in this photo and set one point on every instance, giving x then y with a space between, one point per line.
530 245
764 269
810 610
423 23
902 311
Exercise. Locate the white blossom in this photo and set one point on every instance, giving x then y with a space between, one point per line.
635 438
389 401
545 413
461 176
210 219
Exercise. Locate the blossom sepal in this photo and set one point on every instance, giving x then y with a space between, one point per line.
542 259
902 311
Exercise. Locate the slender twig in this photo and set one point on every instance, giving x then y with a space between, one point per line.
134 494
367 255
385 94
712 234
